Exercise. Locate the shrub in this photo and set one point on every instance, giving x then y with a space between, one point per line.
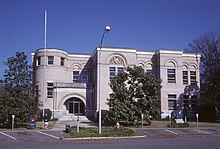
106 132
178 125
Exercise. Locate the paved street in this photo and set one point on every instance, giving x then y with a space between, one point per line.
50 135
184 132
29 135
155 138
202 142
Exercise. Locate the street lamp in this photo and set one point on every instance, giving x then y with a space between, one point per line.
107 29
44 84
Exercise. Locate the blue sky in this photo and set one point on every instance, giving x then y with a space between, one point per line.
77 25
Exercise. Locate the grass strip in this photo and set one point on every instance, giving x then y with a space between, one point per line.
106 132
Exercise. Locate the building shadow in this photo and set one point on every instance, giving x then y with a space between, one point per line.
188 103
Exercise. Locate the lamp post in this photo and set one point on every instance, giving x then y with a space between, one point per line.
107 29
44 84
77 129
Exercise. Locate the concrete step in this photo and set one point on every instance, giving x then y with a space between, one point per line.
73 118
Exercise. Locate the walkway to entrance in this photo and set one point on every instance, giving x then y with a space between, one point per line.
72 121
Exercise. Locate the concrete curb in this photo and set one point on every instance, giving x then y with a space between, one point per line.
99 138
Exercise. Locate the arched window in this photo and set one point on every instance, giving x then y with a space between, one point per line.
185 75
171 71
193 74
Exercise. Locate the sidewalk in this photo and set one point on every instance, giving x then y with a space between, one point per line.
62 122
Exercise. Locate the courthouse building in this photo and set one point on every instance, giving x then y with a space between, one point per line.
75 83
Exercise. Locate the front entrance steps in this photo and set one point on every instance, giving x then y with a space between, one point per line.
71 120
72 117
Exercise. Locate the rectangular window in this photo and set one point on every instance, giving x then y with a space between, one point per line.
62 61
115 70
38 61
112 72
193 77
49 90
50 60
111 96
185 103
120 69
171 102
75 76
193 105
84 76
171 75
185 77
194 102
150 71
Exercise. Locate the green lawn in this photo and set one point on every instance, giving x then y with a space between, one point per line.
204 124
106 132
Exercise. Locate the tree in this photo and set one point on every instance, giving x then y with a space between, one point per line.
135 92
208 45
19 96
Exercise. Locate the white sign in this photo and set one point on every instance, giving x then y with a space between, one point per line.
179 121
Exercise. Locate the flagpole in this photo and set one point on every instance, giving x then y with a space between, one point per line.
44 84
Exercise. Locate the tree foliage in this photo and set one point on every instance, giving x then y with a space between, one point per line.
208 45
135 92
18 95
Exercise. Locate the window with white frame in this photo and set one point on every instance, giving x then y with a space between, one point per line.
171 101
186 102
38 62
149 68
193 102
76 76
84 76
115 70
50 60
190 102
49 89
62 61
185 77
171 75
193 77
112 72
111 96
120 69
150 71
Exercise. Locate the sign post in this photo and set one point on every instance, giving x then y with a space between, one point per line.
13 118
142 117
197 120
77 127
170 119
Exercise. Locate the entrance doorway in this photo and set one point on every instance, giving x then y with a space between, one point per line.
75 106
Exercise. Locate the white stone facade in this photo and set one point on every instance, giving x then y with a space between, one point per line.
74 83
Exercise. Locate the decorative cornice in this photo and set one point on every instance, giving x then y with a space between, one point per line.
52 50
